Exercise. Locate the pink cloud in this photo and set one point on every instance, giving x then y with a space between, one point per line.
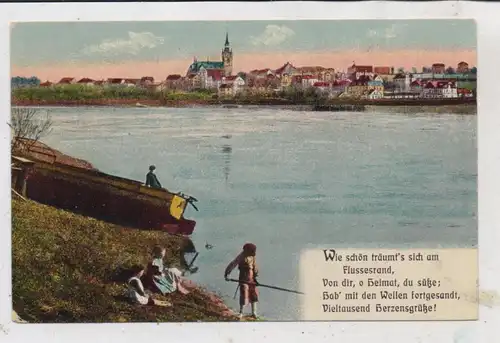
245 62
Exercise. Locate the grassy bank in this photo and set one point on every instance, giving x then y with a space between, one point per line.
80 95
64 267
85 93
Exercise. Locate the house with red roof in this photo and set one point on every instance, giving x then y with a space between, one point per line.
464 93
265 85
318 72
286 69
402 81
308 80
339 86
261 73
215 74
208 78
146 80
236 82
438 68
86 81
192 81
322 86
462 67
214 78
417 86
359 87
174 81
310 70
113 81
46 84
355 71
440 89
382 70
67 81
131 82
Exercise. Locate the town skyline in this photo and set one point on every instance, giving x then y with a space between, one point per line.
138 49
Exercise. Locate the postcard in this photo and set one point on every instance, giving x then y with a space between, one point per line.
187 171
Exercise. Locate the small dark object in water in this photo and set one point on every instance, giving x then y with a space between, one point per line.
226 136
208 246
339 108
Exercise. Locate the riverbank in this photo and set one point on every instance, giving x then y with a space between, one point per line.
65 267
386 105
464 109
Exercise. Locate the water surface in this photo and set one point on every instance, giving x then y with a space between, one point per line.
287 180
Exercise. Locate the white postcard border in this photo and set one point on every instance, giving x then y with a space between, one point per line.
483 330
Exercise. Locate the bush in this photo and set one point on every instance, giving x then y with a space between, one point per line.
28 127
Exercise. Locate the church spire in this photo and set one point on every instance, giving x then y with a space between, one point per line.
227 39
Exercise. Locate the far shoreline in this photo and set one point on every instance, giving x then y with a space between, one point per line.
441 106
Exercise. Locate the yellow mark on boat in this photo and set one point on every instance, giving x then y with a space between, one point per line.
177 207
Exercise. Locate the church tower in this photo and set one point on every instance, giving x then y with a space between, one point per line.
227 57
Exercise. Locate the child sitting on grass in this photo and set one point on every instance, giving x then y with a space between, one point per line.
136 292
164 280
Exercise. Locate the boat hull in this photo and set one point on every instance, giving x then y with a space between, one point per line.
105 197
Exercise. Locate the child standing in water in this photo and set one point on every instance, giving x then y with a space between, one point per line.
247 266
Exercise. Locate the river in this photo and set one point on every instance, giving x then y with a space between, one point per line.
288 180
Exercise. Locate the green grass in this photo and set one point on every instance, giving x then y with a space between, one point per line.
62 266
82 93
186 96
88 93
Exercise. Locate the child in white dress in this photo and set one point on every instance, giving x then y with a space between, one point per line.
166 280
136 292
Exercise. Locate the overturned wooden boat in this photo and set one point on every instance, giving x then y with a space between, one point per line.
44 176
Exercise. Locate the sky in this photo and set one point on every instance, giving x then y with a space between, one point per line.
100 50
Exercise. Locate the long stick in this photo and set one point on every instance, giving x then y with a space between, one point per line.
267 286
236 291
191 264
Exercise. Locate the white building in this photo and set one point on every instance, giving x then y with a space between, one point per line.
308 81
440 89
236 82
450 91
402 82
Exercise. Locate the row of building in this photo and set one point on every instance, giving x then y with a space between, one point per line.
359 81
356 83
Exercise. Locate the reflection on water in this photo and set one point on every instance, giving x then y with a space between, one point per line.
188 257
226 152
